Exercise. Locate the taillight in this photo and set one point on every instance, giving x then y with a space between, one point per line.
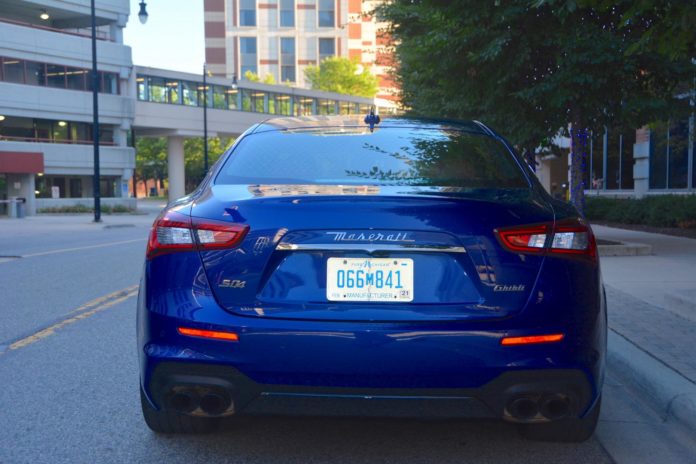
177 232
568 236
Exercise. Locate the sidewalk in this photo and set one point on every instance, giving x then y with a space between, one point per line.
652 317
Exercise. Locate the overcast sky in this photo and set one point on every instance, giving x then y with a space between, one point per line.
172 38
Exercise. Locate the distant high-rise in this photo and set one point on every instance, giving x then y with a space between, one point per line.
283 37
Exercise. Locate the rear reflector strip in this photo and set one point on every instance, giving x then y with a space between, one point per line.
229 336
532 339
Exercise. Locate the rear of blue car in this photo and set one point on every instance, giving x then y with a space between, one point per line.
415 270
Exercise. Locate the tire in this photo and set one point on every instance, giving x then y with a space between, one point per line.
570 430
169 422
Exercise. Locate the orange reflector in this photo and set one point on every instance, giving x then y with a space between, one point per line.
532 339
233 337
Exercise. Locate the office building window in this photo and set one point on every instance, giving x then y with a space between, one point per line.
326 13
279 104
287 59
327 48
303 106
13 70
55 76
247 49
189 92
157 90
247 12
172 91
287 13
326 106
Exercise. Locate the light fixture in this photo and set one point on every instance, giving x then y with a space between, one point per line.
2 117
62 123
234 81
142 14
40 174
44 15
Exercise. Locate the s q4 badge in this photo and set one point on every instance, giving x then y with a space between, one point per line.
227 283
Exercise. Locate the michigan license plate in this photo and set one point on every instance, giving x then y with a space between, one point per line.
369 279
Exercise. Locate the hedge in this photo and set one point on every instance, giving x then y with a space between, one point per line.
657 211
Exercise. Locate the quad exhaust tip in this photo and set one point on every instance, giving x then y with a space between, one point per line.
211 401
527 408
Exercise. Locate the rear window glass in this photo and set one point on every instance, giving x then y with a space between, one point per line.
389 156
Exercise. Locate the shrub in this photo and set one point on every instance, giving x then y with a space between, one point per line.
657 211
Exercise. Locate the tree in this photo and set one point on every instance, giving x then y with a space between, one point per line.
533 68
341 75
151 158
193 157
253 77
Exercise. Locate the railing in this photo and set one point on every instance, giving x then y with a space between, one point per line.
101 35
10 138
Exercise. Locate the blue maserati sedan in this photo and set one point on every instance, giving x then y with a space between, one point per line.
408 268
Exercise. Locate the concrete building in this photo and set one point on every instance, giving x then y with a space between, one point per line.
283 37
46 102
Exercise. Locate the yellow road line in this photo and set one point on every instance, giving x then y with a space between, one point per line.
102 303
88 247
101 299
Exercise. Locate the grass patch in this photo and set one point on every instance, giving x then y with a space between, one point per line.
678 211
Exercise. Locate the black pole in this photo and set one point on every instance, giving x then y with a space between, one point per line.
95 120
205 121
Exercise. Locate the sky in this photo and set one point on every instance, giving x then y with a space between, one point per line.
172 38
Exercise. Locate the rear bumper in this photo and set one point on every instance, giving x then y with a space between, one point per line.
491 400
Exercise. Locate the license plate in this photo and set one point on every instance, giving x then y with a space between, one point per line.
369 279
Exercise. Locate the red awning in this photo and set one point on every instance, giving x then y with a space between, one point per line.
20 162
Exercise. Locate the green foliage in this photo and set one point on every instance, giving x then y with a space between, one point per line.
193 157
341 75
151 158
532 67
658 211
253 77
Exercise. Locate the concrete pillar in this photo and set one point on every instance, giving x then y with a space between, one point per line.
641 163
175 167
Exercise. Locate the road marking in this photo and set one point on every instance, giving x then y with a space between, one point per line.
88 247
97 305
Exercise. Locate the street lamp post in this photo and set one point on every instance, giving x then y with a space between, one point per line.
205 119
95 120
96 181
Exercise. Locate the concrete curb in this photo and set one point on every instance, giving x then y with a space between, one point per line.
673 394
625 249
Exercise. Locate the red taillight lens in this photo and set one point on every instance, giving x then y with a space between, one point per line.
177 232
568 236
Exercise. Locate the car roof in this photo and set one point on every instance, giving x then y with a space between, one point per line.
319 123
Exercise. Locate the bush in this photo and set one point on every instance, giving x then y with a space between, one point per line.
79 209
657 211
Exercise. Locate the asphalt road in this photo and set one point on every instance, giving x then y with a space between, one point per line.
69 380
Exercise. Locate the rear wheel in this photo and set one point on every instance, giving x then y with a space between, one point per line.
173 422
572 430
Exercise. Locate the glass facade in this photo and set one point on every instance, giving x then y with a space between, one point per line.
247 49
71 186
670 148
327 48
326 13
52 131
247 12
287 59
57 76
164 90
287 13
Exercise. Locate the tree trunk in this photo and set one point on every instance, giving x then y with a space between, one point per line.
579 147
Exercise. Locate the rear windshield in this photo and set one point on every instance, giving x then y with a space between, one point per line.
389 156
